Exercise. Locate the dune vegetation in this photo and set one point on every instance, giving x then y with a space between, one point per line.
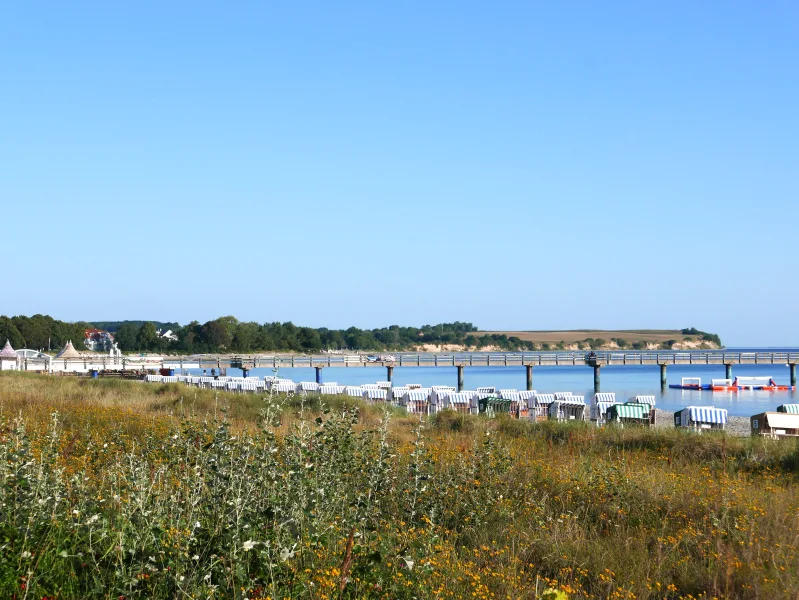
119 489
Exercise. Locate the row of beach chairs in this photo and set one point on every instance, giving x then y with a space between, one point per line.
604 408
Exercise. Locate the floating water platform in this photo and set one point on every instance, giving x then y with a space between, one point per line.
766 384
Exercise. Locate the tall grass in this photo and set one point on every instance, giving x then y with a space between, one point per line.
119 489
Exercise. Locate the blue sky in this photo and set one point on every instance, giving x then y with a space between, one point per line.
519 165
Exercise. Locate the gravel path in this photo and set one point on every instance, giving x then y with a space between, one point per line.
737 426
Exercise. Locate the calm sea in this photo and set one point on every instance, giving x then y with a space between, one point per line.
625 381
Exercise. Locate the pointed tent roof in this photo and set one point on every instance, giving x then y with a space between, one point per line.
8 351
69 352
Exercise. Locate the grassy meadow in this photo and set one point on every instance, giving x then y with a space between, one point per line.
117 489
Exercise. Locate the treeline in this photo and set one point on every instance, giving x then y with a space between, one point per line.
113 326
228 334
702 335
225 334
41 332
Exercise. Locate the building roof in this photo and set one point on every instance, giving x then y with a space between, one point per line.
69 352
8 351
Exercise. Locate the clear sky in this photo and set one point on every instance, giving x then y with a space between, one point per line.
519 165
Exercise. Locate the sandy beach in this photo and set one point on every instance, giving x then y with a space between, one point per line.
737 426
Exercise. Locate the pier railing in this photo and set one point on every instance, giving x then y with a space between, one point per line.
478 359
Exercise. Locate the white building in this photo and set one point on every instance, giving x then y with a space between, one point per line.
167 335
98 341
9 361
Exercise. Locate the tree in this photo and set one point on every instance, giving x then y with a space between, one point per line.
216 336
147 338
35 330
309 339
245 337
189 336
9 331
127 337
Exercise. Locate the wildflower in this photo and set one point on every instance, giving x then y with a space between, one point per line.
196 557
249 545
26 554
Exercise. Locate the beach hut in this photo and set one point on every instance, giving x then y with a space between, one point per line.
278 381
490 390
701 418
9 361
369 386
384 385
493 405
473 397
395 394
414 386
309 387
789 408
439 396
153 378
775 424
375 394
600 404
417 401
461 402
649 401
354 391
542 404
516 405
571 408
442 388
629 413
561 395
250 386
526 403
284 386
330 389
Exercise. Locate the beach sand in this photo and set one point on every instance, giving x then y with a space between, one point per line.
737 426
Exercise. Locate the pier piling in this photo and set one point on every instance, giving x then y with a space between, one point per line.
727 371
318 375
596 378
529 369
460 378
792 368
663 382
389 372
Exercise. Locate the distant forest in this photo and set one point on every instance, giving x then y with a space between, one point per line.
228 334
